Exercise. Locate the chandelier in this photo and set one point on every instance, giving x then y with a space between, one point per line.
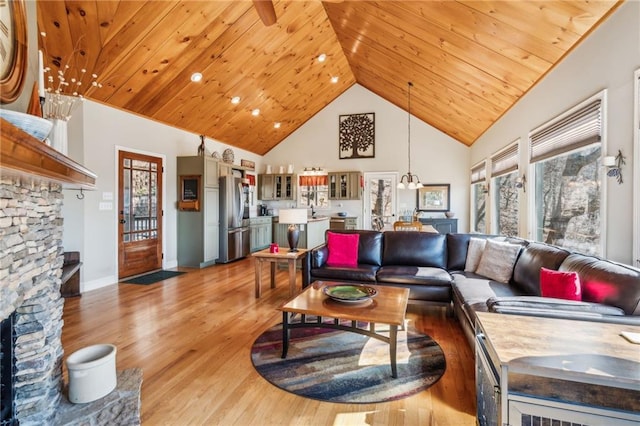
412 181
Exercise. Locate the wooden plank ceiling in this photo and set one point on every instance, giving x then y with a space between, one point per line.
470 61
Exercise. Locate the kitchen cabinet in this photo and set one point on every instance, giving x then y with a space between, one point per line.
199 231
343 223
261 232
276 187
345 185
443 226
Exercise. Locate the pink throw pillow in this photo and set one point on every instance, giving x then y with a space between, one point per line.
343 249
561 285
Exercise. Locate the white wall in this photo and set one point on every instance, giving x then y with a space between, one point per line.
436 157
94 134
607 59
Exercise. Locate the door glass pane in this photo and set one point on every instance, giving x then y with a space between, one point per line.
380 203
141 181
140 199
126 198
141 165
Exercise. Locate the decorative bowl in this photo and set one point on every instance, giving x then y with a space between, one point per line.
342 214
350 293
36 126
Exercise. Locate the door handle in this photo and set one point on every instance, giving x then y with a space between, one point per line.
123 221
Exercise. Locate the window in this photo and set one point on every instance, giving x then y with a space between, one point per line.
314 191
478 198
504 174
565 155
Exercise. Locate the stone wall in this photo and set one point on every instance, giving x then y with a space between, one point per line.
31 256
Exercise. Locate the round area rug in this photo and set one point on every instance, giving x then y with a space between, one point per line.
340 366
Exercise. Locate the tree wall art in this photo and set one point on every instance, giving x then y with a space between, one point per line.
357 136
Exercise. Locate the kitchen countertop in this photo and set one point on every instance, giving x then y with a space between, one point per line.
309 219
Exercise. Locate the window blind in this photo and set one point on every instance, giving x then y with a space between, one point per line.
478 173
576 130
505 161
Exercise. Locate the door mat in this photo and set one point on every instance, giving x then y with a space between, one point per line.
345 367
152 277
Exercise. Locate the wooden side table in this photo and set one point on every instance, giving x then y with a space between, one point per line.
273 258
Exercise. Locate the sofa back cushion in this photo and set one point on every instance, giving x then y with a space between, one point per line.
457 245
414 249
369 245
526 274
606 282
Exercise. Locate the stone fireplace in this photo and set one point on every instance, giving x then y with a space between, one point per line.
30 268
31 258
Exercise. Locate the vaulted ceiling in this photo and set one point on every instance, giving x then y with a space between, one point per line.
469 61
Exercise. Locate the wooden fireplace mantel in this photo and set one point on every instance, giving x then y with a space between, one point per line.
23 155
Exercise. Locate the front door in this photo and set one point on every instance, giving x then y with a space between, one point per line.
140 213
379 200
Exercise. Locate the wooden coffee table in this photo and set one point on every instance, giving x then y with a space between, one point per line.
387 307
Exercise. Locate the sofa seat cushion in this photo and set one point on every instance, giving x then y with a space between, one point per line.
414 275
360 273
541 303
424 292
471 288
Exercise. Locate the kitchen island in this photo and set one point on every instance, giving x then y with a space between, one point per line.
311 233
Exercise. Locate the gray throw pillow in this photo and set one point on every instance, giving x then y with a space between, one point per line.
497 261
474 253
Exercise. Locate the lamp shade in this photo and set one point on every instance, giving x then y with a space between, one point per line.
292 216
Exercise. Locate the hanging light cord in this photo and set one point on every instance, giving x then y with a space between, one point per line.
409 130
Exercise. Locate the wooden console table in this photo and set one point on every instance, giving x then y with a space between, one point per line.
273 258
574 371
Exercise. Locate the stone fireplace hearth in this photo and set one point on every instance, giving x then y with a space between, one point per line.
30 268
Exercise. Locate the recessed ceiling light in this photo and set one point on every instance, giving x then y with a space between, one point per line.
235 100
196 77
322 57
334 79
255 112
276 125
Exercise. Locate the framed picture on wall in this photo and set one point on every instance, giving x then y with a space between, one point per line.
434 198
357 136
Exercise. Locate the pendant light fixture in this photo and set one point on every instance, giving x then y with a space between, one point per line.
413 181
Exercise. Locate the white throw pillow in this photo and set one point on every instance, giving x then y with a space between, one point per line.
474 253
498 260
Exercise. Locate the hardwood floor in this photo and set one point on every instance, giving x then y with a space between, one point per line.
192 336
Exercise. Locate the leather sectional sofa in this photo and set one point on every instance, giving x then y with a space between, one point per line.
432 266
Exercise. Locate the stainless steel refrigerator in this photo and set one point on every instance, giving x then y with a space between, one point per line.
234 226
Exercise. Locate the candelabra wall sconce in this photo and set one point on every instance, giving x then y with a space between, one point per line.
614 166
521 182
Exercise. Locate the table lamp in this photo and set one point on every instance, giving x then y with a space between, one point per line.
293 217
